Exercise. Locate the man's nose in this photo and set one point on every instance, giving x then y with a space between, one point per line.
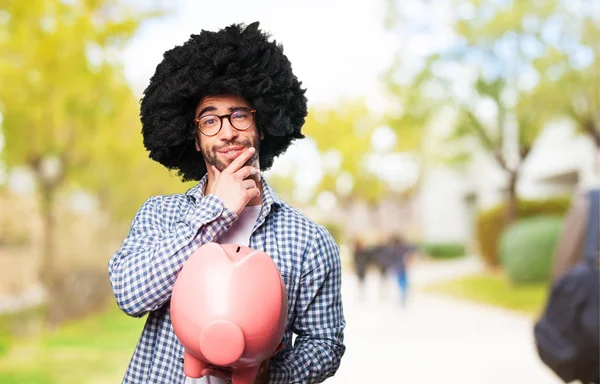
228 132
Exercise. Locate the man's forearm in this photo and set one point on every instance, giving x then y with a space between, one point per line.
310 361
143 271
319 321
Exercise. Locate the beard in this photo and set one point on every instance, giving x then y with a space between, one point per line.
211 154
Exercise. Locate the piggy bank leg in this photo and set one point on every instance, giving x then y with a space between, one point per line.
192 367
245 375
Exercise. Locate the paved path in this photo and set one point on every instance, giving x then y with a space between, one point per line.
436 339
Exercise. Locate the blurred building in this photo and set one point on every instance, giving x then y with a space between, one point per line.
560 161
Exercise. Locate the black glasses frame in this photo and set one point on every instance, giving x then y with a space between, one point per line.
228 116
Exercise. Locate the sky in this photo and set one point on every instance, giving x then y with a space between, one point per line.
337 48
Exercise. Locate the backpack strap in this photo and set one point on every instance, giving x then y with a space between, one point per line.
592 233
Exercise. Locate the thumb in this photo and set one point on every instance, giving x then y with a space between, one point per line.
215 170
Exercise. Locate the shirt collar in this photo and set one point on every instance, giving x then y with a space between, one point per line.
269 197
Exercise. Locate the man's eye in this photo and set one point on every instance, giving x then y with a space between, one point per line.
240 115
209 121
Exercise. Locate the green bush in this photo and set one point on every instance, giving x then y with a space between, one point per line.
443 250
489 223
527 248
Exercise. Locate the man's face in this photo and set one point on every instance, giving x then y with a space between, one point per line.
221 149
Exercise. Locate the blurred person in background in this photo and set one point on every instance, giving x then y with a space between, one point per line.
567 335
361 261
219 109
401 256
374 253
570 246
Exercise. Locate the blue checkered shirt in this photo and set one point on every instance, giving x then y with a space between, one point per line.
167 230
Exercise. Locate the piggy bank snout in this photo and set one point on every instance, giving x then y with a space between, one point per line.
222 342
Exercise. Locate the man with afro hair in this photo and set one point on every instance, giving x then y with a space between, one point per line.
219 109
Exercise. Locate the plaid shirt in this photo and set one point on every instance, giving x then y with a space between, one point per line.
167 230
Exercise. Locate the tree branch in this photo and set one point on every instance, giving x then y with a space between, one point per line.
485 139
524 152
589 127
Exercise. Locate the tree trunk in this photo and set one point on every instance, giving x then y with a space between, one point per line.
48 251
510 212
47 271
48 184
593 130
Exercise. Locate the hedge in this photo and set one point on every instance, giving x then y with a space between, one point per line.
489 223
443 250
527 248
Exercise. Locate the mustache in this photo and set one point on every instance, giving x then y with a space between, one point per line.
233 144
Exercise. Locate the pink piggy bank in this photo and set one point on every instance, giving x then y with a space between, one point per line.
228 309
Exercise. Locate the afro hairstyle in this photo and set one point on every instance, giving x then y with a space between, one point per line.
238 60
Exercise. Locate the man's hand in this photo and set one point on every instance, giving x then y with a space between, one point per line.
234 186
225 373
221 373
263 373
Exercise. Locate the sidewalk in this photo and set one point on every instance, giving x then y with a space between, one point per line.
436 339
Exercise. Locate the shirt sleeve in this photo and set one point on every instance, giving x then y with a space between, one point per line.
143 271
319 323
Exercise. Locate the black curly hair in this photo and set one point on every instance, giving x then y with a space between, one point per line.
237 60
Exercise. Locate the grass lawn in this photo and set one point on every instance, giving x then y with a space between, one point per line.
494 288
93 350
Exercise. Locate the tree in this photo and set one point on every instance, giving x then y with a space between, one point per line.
62 89
411 115
117 168
360 160
524 56
525 120
343 133
570 68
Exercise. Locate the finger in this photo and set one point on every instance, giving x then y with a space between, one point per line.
246 172
249 184
252 193
220 373
239 161
215 170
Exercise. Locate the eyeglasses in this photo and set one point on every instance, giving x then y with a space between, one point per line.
240 119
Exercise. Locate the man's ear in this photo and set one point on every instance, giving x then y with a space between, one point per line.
197 144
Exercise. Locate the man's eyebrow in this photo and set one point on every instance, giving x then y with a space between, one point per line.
211 108
206 109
